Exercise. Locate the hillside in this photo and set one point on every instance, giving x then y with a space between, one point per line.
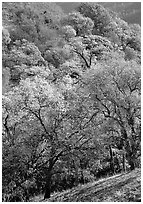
118 188
71 104
128 11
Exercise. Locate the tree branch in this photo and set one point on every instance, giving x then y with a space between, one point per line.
81 55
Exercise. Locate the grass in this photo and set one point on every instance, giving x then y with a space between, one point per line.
125 187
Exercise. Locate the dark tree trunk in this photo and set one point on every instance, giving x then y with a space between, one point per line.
129 151
111 160
47 191
131 160
52 162
132 164
82 177
48 186
124 165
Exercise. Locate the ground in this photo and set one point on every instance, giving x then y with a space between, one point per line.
124 187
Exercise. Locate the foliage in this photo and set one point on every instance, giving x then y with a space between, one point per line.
68 32
36 22
82 25
71 97
118 93
98 14
19 60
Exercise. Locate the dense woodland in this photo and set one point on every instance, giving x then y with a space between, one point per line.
71 97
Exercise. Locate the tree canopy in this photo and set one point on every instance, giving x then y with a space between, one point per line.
71 97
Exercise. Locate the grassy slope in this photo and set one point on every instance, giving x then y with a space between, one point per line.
124 187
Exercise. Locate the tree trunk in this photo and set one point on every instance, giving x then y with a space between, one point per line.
130 157
111 159
82 177
124 165
48 186
129 151
52 162
132 164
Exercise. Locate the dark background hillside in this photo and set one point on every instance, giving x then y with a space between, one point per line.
129 11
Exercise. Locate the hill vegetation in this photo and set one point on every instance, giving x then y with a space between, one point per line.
128 11
71 98
119 188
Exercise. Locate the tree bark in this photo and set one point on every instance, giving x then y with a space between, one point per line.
48 186
124 165
52 162
129 150
111 159
131 163
82 177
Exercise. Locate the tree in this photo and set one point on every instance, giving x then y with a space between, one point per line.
134 39
98 14
19 59
35 22
89 49
82 25
108 24
117 90
71 106
68 32
37 107
5 45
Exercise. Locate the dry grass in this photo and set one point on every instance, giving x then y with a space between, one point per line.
119 188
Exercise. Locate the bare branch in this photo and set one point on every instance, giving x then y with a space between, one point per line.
82 56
